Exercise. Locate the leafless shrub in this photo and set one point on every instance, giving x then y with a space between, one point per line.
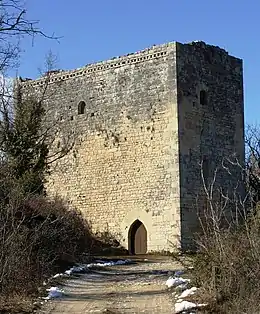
227 266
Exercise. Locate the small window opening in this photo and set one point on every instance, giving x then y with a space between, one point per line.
81 107
203 97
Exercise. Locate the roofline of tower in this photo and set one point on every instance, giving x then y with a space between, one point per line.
153 52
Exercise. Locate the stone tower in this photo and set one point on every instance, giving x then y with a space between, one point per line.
144 122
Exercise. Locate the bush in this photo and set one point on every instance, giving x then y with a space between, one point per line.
227 267
38 237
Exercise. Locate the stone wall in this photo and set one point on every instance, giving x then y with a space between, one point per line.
124 165
211 123
141 131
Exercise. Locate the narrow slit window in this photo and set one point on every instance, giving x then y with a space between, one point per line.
203 97
81 107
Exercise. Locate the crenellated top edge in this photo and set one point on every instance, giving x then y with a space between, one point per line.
154 52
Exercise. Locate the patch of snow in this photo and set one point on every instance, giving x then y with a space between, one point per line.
68 272
58 275
101 263
188 292
54 292
177 281
183 306
180 284
84 267
186 306
74 270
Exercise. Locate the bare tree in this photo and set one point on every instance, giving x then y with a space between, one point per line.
252 141
13 26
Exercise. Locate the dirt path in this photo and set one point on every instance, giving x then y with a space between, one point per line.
135 288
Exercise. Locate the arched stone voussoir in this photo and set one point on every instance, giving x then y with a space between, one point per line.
131 217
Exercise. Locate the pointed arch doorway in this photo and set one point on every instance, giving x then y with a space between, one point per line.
137 238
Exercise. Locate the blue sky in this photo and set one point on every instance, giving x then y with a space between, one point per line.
94 30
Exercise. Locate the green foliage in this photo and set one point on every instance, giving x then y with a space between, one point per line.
24 144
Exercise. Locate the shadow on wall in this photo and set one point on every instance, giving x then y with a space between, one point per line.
106 243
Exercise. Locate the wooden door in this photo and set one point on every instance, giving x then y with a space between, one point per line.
140 239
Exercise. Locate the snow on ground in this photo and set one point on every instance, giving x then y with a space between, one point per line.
85 267
55 292
179 283
176 281
75 270
58 275
183 306
101 263
188 292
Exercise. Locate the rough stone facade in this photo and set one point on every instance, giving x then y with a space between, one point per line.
144 121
